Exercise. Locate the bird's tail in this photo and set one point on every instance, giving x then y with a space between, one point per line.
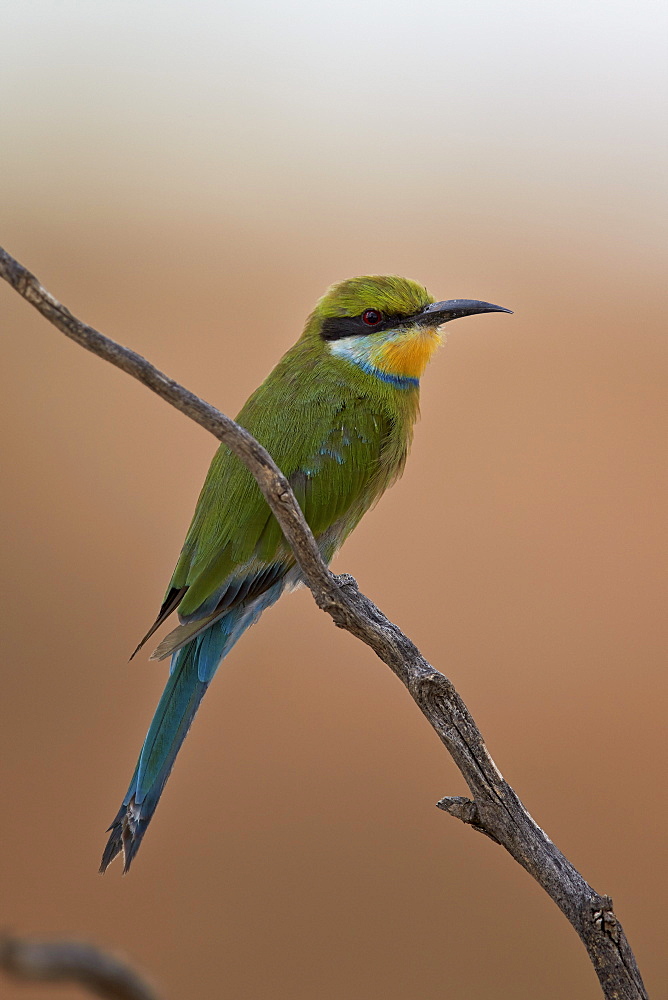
192 669
174 714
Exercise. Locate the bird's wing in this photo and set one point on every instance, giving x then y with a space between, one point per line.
329 449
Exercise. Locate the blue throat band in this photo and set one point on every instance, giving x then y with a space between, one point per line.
400 381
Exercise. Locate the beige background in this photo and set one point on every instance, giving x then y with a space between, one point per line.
189 179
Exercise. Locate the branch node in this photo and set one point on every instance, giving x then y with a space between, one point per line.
603 916
467 811
336 602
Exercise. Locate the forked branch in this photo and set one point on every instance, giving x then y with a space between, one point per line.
494 808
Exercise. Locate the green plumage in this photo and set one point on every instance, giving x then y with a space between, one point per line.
337 435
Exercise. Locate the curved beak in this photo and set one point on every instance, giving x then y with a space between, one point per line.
443 312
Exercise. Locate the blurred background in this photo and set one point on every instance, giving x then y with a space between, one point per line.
189 178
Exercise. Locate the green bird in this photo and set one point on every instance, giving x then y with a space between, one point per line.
337 415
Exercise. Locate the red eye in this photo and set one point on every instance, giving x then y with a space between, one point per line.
372 317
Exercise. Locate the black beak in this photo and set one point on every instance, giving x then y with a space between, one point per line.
443 312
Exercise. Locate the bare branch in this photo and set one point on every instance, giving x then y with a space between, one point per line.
494 809
101 973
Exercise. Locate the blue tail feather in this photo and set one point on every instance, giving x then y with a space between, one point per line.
192 668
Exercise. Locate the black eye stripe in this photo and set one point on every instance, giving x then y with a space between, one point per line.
338 327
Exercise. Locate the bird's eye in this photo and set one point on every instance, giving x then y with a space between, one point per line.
372 317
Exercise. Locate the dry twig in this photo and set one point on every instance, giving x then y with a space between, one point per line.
494 808
72 962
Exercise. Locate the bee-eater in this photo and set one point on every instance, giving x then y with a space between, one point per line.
337 415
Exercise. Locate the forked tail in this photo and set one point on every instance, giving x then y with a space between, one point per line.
193 666
174 714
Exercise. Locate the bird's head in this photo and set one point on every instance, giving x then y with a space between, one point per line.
386 324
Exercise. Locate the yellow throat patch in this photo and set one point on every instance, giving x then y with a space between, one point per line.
407 353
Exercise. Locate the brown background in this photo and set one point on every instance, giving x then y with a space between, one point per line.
297 852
